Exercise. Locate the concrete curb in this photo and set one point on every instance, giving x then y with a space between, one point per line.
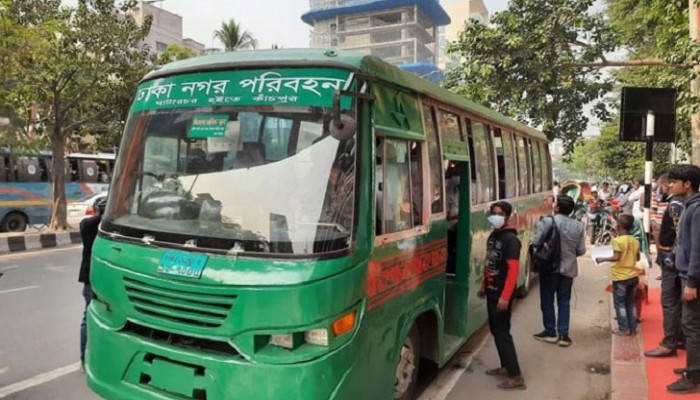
36 241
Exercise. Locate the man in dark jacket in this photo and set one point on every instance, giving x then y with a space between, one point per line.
500 278
671 288
88 232
685 182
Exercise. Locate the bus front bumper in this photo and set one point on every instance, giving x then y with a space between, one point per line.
123 366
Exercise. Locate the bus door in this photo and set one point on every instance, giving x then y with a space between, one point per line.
457 185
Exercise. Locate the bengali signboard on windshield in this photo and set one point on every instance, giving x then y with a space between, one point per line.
297 86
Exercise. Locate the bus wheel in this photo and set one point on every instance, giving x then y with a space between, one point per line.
14 222
524 289
407 367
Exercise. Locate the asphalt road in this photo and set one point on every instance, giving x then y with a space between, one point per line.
41 308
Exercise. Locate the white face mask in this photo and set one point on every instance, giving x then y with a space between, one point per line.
497 221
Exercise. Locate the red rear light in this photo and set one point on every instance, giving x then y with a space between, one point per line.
90 211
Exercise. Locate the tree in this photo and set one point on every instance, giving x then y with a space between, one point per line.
234 37
175 52
606 156
541 60
77 65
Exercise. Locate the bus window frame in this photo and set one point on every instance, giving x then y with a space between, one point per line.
414 231
434 135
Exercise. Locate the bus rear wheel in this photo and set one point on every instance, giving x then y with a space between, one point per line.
407 367
14 222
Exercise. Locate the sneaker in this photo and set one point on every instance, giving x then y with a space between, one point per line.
564 341
545 336
514 383
684 386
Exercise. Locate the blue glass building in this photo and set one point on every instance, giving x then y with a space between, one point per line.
402 32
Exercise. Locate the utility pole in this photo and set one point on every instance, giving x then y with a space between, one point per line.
693 17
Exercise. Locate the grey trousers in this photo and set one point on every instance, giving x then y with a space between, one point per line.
691 329
671 292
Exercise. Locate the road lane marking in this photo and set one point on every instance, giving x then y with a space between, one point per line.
451 373
38 380
3 370
18 289
22 254
9 267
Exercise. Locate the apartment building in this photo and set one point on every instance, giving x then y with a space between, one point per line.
398 31
166 28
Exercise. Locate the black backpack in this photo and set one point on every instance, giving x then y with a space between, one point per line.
547 256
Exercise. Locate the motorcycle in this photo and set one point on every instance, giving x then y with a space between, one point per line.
603 226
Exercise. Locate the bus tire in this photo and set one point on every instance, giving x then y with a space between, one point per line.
523 290
407 367
14 222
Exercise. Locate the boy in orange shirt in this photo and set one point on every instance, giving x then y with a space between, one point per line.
625 276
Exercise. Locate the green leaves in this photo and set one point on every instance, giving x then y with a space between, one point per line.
78 65
541 61
234 37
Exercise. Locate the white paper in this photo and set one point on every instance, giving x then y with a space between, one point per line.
230 142
607 251
601 251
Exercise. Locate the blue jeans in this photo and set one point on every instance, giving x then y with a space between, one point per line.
559 285
624 293
87 295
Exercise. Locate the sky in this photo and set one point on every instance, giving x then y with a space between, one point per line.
270 21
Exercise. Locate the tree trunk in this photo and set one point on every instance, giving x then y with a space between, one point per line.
695 138
58 215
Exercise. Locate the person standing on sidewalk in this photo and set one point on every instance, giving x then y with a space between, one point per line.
670 209
685 182
572 236
625 276
88 232
498 286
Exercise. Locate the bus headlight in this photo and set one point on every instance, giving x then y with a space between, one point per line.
318 336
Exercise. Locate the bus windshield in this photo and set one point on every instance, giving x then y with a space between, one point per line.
253 179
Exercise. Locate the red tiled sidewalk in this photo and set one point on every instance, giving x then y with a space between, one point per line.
635 377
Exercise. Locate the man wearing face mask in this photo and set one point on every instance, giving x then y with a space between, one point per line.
572 237
500 275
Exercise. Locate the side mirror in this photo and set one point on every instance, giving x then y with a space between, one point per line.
343 128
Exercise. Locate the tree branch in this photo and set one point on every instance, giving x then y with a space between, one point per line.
603 63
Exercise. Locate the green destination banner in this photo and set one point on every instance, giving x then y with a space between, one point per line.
282 87
206 126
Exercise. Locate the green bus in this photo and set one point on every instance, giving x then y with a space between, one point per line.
299 224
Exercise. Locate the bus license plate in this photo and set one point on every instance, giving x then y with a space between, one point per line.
180 263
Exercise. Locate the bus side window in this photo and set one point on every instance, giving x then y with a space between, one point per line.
503 178
537 166
548 166
436 175
74 170
474 161
523 166
3 169
484 166
28 169
45 169
88 171
399 196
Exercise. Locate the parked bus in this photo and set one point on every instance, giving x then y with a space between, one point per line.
26 194
299 224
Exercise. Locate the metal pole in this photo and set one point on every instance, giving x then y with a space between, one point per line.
648 169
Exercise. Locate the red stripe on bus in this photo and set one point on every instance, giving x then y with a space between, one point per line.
389 277
21 193
403 288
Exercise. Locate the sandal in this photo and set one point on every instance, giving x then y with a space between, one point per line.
497 372
517 383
